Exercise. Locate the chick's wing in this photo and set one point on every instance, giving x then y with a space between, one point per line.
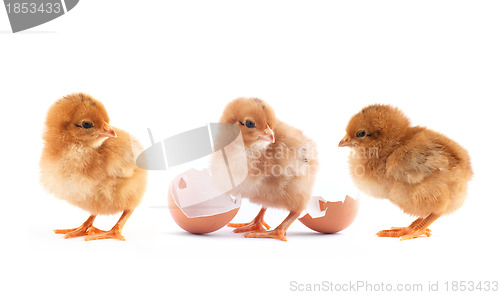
419 158
119 154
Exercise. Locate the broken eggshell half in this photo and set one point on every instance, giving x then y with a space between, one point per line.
330 217
197 205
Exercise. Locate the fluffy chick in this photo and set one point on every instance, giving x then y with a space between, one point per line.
90 164
281 163
421 171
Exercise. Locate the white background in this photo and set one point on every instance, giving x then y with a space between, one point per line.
173 65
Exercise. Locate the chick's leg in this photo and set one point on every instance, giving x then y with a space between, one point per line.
79 231
421 228
114 233
415 230
279 232
396 232
257 224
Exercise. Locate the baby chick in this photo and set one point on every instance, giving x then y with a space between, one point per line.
421 171
90 164
281 161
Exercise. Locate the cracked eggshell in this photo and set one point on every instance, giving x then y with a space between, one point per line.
197 205
202 224
333 216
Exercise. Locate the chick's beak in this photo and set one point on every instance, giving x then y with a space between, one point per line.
346 141
268 135
108 131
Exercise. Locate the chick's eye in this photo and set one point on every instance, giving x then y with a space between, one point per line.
250 124
361 133
87 125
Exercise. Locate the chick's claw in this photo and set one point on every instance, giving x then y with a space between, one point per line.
257 224
428 232
94 231
64 231
279 234
249 226
114 233
400 232
79 231
111 234
393 232
416 234
72 233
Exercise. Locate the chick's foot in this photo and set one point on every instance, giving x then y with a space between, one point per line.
249 226
416 234
397 232
79 231
258 224
417 229
94 231
279 234
114 233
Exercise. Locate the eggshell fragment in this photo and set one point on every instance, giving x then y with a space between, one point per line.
202 224
197 205
337 215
